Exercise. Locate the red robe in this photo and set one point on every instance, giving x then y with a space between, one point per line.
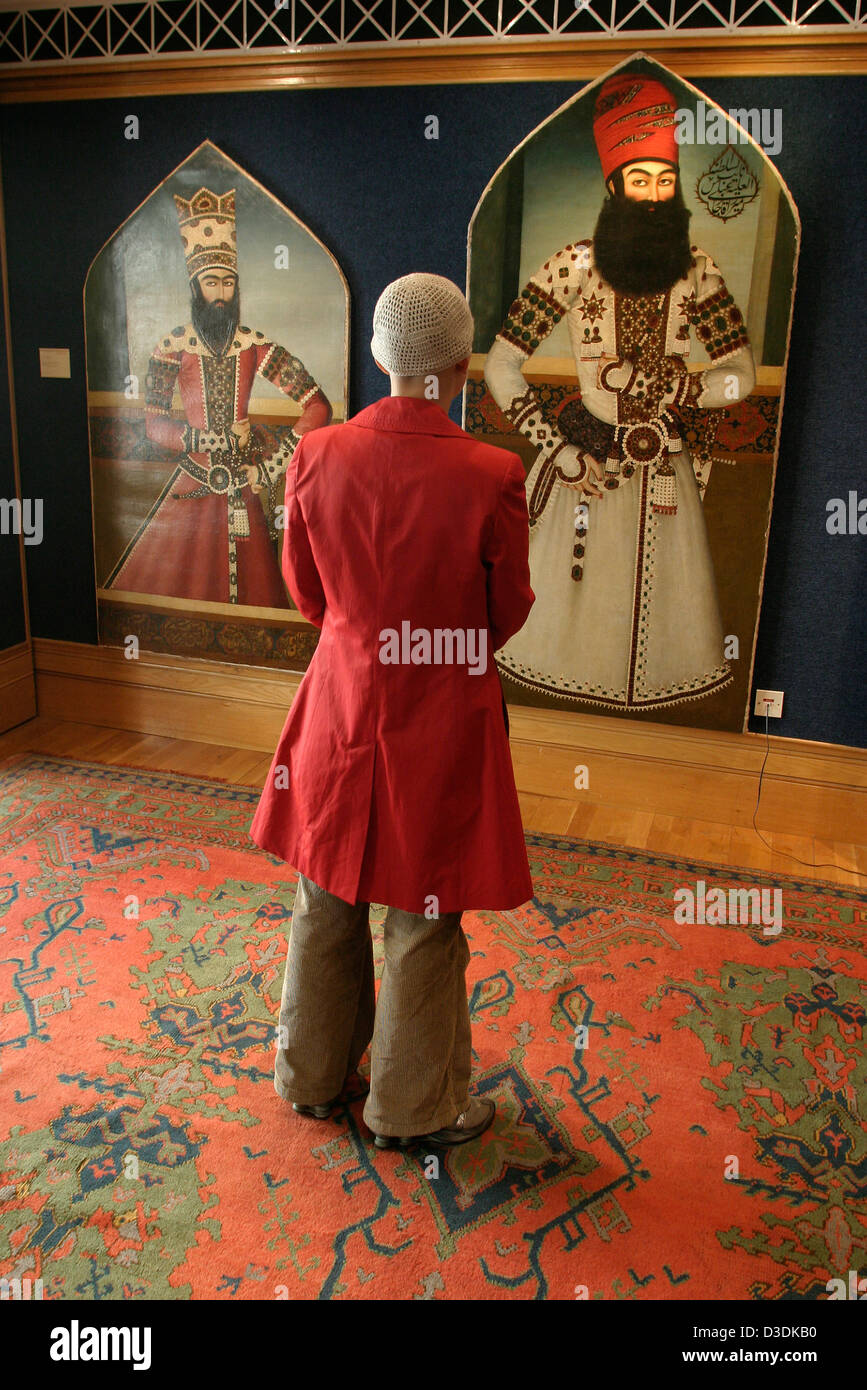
188 546
397 780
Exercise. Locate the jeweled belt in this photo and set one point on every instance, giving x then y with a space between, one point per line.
642 444
219 479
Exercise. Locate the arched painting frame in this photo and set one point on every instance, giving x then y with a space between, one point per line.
547 197
209 587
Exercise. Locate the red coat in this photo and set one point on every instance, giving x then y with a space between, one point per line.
398 780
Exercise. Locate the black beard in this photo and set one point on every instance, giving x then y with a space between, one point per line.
215 323
642 247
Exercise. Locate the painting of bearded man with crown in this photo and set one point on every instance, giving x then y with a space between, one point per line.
218 549
196 404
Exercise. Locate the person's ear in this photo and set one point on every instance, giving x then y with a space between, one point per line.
381 368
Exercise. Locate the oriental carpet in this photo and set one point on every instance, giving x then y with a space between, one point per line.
680 1107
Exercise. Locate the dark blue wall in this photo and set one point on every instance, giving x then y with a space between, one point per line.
355 166
12 626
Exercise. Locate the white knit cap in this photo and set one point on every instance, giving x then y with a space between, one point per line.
421 323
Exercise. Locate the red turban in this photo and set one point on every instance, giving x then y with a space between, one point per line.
634 120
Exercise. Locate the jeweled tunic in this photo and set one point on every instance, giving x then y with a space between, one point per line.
207 536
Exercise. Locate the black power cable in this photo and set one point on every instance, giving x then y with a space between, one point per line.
825 864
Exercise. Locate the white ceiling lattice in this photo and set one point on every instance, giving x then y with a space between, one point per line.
74 33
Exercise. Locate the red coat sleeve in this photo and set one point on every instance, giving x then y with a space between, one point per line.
506 558
290 376
160 424
298 566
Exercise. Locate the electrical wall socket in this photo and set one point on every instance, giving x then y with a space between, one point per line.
769 702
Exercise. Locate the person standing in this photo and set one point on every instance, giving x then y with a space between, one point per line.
407 544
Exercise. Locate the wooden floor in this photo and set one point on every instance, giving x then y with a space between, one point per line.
615 824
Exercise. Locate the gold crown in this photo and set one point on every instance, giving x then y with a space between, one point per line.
207 223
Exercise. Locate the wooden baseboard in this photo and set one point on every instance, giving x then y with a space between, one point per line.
808 788
17 686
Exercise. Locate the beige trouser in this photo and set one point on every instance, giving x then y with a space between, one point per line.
418 1029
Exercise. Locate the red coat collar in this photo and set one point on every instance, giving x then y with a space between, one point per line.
408 415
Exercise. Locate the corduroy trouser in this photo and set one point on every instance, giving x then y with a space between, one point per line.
418 1029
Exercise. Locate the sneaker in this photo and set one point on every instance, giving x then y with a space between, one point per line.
322 1112
469 1124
